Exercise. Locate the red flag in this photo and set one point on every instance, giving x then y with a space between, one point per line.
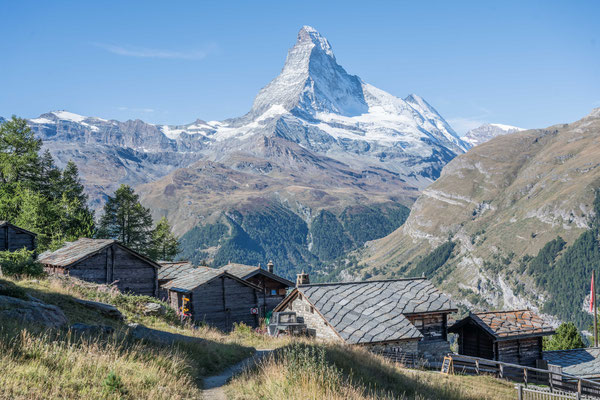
592 295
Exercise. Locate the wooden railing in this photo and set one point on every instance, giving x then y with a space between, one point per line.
527 375
543 393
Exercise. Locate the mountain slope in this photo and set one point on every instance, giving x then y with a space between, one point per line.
486 132
500 203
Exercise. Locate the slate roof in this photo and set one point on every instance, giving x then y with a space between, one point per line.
172 270
584 363
72 252
509 324
374 311
246 271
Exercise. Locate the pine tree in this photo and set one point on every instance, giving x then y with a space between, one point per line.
126 220
165 245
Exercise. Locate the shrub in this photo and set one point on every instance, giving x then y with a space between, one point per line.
113 384
20 263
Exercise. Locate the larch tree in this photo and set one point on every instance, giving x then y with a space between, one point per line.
126 220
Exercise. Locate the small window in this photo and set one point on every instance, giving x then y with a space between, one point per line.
299 297
312 310
273 292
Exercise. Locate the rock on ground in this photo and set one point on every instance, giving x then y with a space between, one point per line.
105 309
32 312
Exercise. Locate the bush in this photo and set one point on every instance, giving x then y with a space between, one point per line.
20 263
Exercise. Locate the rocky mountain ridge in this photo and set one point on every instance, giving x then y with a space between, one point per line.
486 132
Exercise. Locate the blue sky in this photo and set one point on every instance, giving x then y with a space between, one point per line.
530 64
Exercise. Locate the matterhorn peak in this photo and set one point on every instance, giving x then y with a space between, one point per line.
309 35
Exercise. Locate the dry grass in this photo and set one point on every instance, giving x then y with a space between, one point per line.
336 372
50 365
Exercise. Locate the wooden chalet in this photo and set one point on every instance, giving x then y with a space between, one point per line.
14 238
170 270
509 336
104 261
216 298
273 287
393 317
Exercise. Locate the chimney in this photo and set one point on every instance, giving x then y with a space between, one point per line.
302 279
270 266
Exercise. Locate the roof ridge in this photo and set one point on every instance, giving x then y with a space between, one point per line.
362 282
498 312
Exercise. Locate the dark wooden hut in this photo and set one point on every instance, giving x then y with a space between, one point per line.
104 261
216 297
509 336
14 238
273 287
394 317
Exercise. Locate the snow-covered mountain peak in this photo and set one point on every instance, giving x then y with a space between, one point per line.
488 131
309 35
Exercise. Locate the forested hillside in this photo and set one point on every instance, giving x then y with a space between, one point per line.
254 235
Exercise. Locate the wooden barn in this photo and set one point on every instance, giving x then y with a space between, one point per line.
273 287
216 298
104 261
509 336
398 318
14 238
170 270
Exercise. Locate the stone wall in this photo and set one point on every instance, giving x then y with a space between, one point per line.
434 351
314 322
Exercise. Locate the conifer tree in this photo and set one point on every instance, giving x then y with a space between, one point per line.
165 245
18 152
126 220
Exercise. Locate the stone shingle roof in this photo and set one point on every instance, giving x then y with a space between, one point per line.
509 324
198 277
584 363
374 311
72 252
246 271
172 270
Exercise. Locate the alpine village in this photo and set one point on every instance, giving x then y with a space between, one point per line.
334 242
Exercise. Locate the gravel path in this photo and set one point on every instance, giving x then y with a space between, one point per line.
213 386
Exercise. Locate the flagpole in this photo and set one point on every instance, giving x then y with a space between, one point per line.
595 310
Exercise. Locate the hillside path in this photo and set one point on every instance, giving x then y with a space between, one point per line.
213 385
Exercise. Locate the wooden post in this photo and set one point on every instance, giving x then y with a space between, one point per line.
501 371
595 310
477 366
579 386
525 376
520 390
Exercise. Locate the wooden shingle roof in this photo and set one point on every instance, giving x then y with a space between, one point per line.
247 271
508 324
374 311
173 270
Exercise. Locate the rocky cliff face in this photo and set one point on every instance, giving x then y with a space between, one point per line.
499 202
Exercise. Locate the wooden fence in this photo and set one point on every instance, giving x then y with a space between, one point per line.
542 393
556 381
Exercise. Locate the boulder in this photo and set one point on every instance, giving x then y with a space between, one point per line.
153 309
32 312
84 329
107 310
